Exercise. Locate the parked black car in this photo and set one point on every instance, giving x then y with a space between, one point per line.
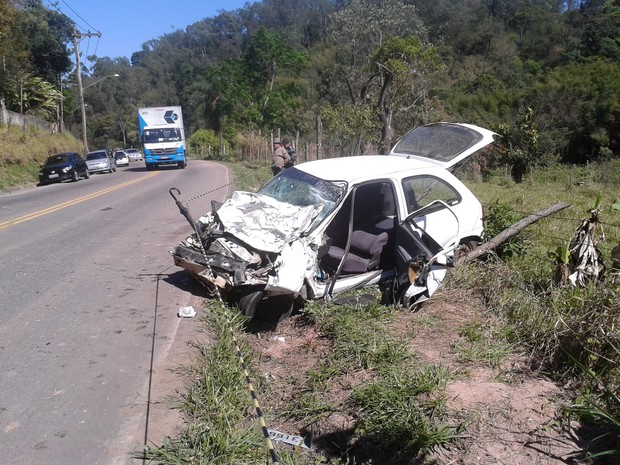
63 167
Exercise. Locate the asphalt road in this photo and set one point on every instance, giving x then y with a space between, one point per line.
88 305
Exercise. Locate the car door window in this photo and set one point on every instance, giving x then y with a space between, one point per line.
422 190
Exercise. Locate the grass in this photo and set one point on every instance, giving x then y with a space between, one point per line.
219 430
572 334
23 152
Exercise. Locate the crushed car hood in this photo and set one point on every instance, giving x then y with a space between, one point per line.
262 222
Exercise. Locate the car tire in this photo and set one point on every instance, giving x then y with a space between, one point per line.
250 302
86 174
277 309
76 176
271 311
464 249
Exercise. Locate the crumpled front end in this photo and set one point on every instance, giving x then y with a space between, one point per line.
251 241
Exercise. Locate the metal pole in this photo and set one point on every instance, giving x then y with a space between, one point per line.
80 91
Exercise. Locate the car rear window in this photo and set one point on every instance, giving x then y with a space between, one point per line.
438 142
96 155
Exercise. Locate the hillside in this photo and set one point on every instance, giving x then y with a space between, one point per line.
23 152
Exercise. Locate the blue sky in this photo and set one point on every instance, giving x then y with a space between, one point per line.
126 24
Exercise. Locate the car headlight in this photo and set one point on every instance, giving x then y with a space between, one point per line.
66 169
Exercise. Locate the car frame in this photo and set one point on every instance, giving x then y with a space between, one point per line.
100 161
328 226
121 158
68 166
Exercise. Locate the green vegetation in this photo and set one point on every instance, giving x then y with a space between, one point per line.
23 152
543 74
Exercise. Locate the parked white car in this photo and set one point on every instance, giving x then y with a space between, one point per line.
121 158
325 227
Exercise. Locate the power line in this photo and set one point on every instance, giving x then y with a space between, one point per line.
87 34
78 15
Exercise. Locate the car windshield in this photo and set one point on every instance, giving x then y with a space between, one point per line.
120 155
96 155
57 159
298 188
441 142
162 135
131 150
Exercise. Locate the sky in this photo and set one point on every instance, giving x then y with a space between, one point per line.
126 24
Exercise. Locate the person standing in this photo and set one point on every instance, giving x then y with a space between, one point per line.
280 157
292 153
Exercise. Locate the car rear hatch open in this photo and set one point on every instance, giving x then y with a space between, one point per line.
443 144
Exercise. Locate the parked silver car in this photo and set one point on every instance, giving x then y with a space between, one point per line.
324 227
134 154
100 161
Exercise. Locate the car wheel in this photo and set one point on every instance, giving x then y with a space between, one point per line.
86 174
276 309
249 302
76 176
464 249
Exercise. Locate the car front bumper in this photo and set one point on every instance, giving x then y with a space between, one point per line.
50 178
98 168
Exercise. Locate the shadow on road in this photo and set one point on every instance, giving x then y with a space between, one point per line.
183 280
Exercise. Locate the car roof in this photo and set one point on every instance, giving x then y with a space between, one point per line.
61 154
365 167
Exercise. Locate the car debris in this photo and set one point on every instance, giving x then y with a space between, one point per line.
325 227
187 312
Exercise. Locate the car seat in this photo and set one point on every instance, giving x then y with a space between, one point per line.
364 253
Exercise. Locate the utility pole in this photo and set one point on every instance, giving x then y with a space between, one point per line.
78 35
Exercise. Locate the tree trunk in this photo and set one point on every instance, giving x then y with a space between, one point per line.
511 231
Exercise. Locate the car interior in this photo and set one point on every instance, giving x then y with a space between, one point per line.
372 231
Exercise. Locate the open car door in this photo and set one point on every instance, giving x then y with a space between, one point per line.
421 262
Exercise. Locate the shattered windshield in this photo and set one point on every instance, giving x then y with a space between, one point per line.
298 188
162 135
441 142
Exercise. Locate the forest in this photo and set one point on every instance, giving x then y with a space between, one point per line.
341 77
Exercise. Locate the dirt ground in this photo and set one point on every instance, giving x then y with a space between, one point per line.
513 413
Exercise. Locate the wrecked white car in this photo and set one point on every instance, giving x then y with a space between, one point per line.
325 227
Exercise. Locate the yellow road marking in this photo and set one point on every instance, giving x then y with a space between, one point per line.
69 203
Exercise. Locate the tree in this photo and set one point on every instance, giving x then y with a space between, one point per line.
367 60
584 99
404 69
